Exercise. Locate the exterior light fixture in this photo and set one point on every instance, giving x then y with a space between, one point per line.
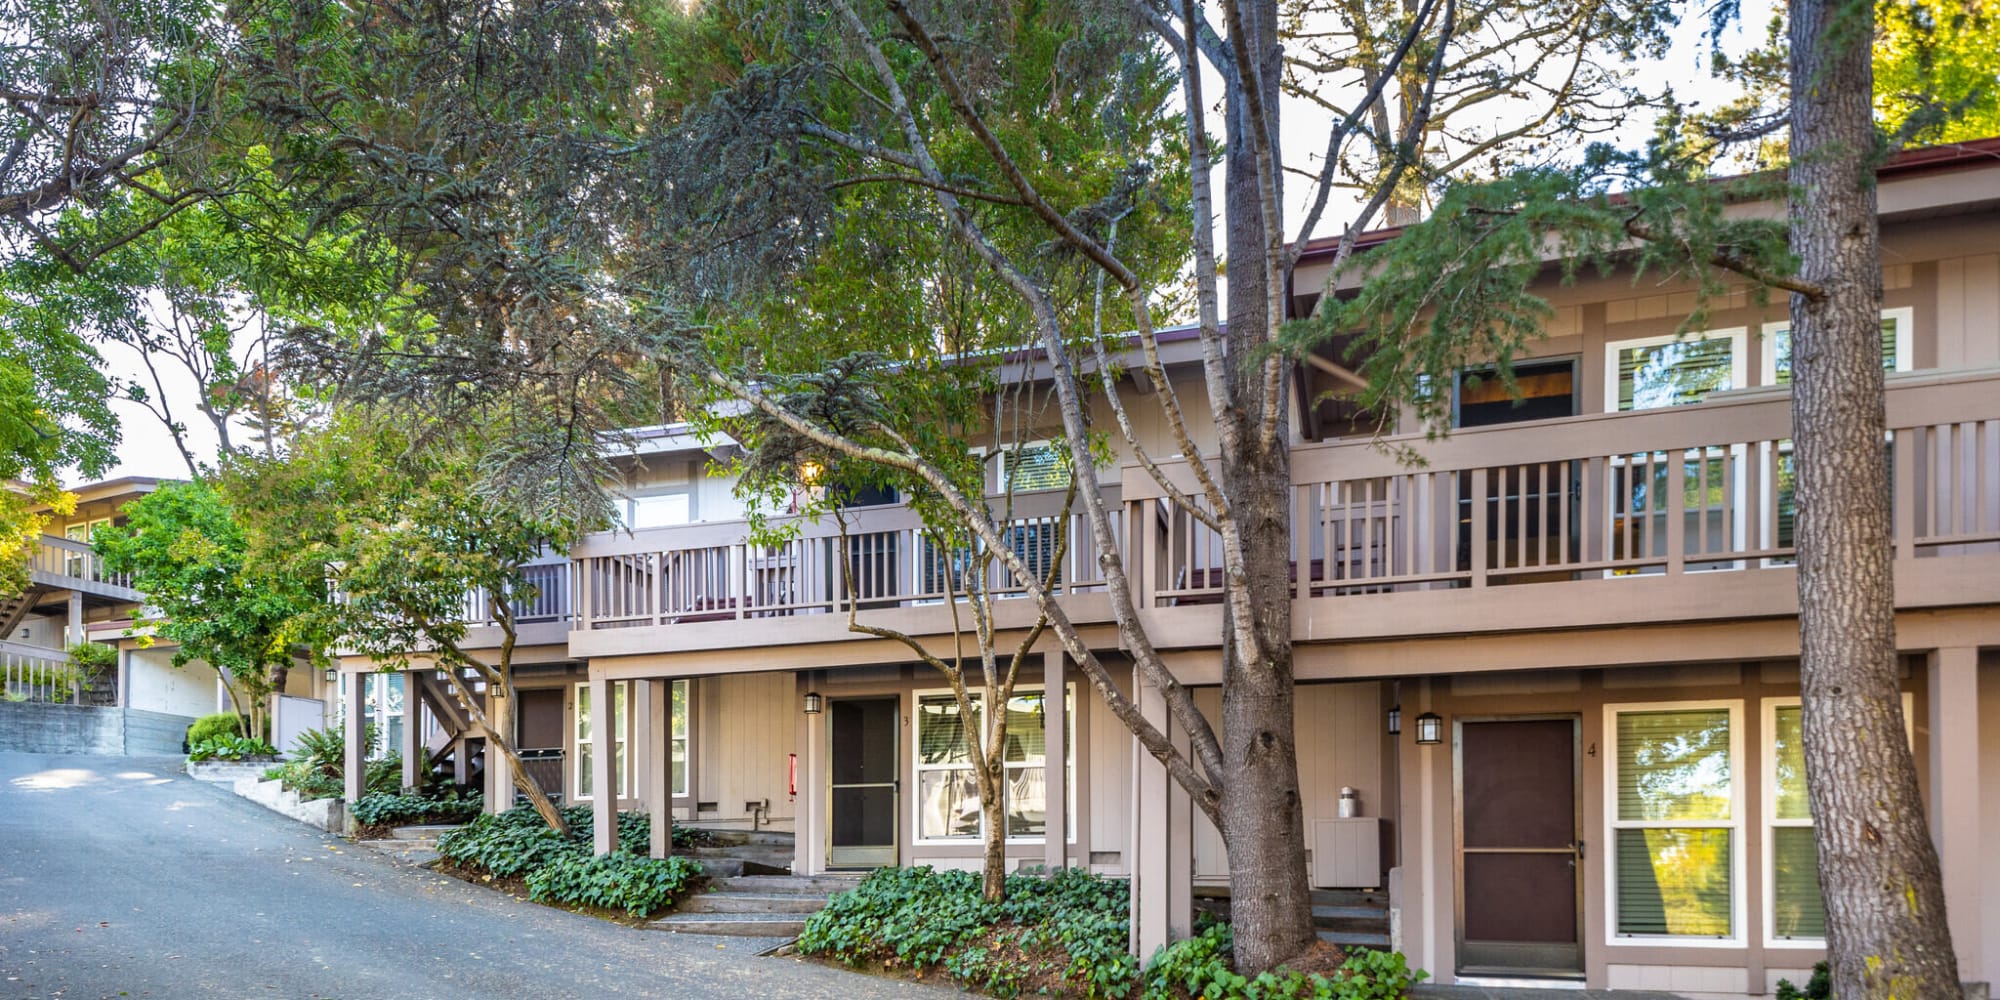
1430 728
1396 720
813 701
332 675
811 472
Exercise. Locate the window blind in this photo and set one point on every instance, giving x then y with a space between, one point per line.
1675 373
1781 349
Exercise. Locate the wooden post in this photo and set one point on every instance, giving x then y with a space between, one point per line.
1955 799
1055 770
413 733
1161 867
811 818
655 745
355 688
603 766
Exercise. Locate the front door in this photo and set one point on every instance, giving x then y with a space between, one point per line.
1518 847
862 820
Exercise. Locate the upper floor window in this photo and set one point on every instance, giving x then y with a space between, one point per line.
1035 466
1896 353
656 510
1652 372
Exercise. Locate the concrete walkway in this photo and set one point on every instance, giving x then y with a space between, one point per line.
121 877
1530 993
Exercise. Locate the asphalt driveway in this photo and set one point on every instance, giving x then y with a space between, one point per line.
120 877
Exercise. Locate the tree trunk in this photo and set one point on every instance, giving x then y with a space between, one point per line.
500 719
1886 931
992 807
1269 903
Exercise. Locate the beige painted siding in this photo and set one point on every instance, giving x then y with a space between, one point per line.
1989 819
1108 765
1340 743
745 735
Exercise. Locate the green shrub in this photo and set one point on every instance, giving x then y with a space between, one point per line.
1201 966
1819 987
1070 928
93 656
517 841
209 727
376 809
617 881
230 748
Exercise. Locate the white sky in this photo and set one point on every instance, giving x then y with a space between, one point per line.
147 449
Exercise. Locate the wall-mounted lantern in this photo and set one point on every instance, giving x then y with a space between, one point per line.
813 702
1396 720
1430 728
332 675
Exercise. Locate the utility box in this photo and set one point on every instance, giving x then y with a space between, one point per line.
1347 853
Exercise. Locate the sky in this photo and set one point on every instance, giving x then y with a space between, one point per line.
147 449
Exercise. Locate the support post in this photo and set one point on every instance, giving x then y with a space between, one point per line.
413 733
603 766
354 688
811 819
1955 799
1162 870
656 787
75 633
499 775
1055 770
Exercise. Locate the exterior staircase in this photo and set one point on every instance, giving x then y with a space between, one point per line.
754 905
1352 918
1349 918
15 607
730 853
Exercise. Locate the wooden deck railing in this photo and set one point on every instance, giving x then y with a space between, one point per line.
32 673
550 601
712 572
64 563
1704 488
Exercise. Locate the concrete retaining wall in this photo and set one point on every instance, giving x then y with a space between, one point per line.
154 733
326 814
35 727
38 728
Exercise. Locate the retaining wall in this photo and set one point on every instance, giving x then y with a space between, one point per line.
35 727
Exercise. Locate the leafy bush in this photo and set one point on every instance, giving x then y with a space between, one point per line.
230 748
209 727
617 881
93 656
1819 987
1064 933
376 809
1201 967
517 841
1069 929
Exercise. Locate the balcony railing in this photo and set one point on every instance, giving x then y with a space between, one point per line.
1698 489
32 673
1669 492
550 601
712 572
73 565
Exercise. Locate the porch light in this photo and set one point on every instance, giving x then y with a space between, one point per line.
1396 720
332 675
1430 728
811 472
812 702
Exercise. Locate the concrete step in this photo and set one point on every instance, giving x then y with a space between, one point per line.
733 838
1373 913
744 902
1356 939
813 885
1350 897
748 852
431 831
726 867
733 925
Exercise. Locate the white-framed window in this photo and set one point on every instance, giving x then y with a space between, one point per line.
1897 336
383 707
80 564
947 799
677 737
1652 372
1675 816
589 740
658 508
1794 910
1036 465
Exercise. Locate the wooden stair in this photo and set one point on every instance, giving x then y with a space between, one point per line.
15 608
1350 918
754 905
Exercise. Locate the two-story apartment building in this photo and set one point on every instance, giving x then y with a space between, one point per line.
72 597
1556 663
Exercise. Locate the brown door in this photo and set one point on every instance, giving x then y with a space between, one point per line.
1518 847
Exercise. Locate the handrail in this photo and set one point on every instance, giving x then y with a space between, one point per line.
56 557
